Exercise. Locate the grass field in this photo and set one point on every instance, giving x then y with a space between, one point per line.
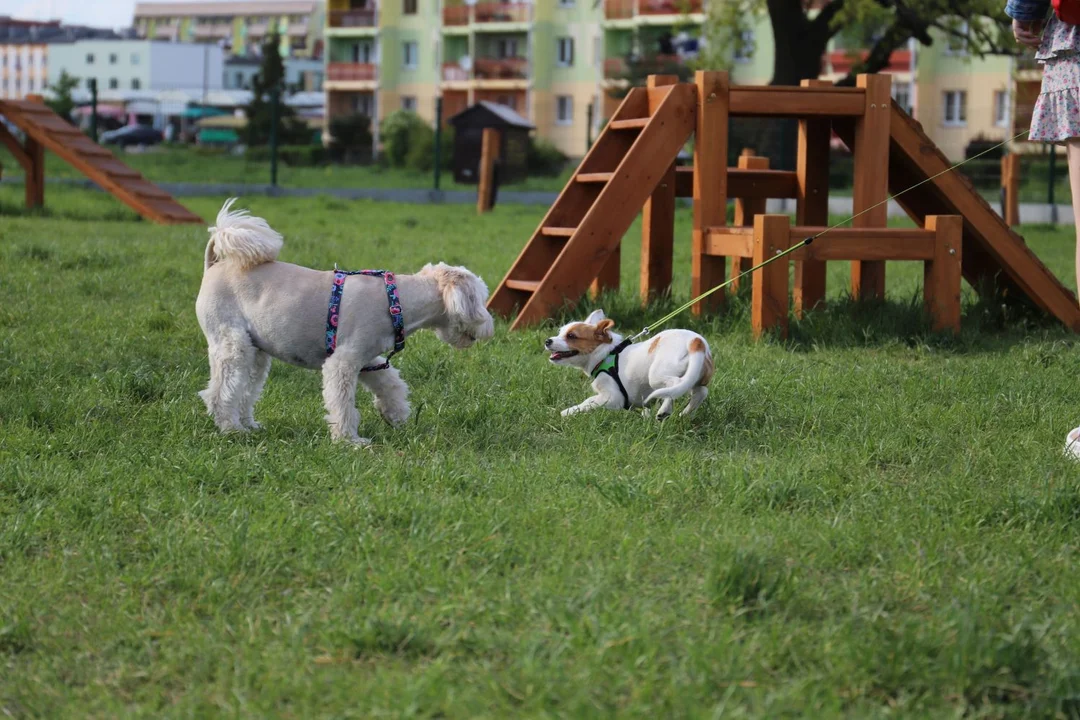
863 521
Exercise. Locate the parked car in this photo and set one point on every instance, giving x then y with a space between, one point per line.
132 135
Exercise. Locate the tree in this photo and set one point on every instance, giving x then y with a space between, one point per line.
291 130
801 35
61 102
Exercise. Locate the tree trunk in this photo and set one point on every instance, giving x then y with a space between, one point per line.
799 44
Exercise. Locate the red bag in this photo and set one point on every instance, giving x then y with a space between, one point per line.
1068 11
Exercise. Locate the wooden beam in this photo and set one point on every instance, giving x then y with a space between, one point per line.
812 204
868 244
871 183
745 210
17 151
775 101
710 184
730 245
1010 189
744 183
769 302
941 276
658 239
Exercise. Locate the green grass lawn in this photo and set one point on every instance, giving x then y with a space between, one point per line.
866 520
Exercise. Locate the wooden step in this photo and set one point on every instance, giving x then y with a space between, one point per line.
633 124
558 231
594 177
523 285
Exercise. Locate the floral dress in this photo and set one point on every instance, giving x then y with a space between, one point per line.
1056 116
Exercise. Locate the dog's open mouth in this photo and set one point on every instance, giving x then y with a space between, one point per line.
562 355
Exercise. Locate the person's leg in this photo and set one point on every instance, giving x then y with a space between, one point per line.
1072 149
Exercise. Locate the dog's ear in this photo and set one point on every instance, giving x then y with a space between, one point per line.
602 329
595 317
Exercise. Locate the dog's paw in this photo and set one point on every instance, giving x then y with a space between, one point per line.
251 424
567 412
394 415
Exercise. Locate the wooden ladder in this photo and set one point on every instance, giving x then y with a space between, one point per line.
47 130
582 231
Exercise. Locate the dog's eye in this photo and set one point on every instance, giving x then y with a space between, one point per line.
571 336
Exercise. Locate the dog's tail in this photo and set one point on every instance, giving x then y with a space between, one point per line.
242 239
695 372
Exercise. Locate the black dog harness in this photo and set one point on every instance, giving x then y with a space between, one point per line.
610 366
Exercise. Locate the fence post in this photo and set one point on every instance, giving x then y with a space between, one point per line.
438 139
93 108
1010 189
1051 172
489 153
275 97
588 126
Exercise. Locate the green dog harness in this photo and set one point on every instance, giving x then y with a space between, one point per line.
610 366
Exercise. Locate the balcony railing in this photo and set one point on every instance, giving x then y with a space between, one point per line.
214 30
491 12
455 15
452 72
351 72
501 68
843 60
614 68
619 9
359 18
166 31
668 7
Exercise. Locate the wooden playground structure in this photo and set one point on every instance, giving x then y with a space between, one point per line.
631 168
45 130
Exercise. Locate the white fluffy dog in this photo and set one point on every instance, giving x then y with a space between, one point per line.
672 364
252 308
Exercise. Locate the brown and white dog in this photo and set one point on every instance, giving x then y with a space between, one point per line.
670 365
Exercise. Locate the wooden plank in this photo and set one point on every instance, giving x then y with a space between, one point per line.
619 202
523 285
633 124
113 167
776 101
727 244
870 189
745 210
744 183
599 177
710 184
16 149
866 249
658 87
34 179
1010 189
558 231
769 300
144 188
658 229
812 204
941 277
489 154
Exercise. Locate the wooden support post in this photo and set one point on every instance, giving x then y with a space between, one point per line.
941 276
1010 189
658 239
710 183
489 153
657 233
769 304
871 155
812 203
745 211
35 175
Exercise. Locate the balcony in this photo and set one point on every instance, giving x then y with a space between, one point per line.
843 60
452 72
516 68
167 31
351 72
297 29
213 30
669 7
614 68
358 18
455 15
490 12
619 9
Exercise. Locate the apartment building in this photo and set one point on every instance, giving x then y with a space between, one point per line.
549 60
138 66
241 27
24 52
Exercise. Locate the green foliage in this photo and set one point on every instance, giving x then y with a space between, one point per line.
61 101
350 136
398 131
291 130
544 159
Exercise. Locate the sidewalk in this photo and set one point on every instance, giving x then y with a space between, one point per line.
1029 212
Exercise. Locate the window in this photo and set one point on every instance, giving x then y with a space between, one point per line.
408 102
506 48
136 84
112 58
239 80
114 83
956 107
89 58
958 40
1001 108
901 93
410 7
744 48
508 100
134 58
362 53
564 110
565 51
409 55
363 104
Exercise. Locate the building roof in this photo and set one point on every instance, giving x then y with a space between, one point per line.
209 9
14 31
504 113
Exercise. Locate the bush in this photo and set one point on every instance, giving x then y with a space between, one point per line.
350 138
421 155
398 130
545 159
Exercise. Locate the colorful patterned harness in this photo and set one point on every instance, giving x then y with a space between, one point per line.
395 312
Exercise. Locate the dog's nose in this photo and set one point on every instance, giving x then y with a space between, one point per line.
547 343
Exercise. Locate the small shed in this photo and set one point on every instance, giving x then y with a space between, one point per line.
469 125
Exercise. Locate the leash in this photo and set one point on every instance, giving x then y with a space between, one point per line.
649 328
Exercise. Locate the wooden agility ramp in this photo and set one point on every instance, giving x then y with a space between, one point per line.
45 130
631 168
